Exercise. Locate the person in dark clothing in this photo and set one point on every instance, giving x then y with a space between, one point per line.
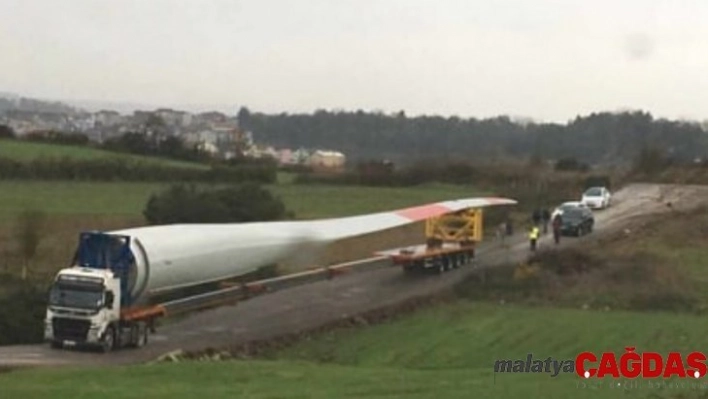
557 224
546 218
536 217
509 227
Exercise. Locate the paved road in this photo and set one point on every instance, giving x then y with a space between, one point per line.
304 307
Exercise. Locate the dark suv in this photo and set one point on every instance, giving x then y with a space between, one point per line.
577 221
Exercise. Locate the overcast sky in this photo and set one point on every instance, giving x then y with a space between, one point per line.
545 59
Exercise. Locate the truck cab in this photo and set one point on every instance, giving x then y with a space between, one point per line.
87 302
84 304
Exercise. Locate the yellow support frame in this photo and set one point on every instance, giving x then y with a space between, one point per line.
462 226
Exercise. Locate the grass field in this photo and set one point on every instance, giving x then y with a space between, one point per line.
442 352
72 207
129 198
320 201
28 151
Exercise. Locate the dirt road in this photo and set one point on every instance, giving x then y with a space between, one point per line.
304 307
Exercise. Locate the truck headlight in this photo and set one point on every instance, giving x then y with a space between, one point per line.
48 331
93 333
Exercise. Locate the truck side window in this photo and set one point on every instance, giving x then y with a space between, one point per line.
109 300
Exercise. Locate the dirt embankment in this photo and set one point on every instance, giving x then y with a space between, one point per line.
268 347
644 262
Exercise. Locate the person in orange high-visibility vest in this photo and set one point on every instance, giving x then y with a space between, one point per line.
533 237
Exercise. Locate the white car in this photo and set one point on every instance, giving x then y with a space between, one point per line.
567 205
597 197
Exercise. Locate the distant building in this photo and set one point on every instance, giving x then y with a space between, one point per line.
300 156
107 118
285 156
327 159
187 119
174 118
209 118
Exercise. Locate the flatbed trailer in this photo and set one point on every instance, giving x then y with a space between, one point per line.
438 260
450 243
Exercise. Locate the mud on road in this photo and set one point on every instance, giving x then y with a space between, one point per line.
289 313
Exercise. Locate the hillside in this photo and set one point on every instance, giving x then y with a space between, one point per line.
444 352
28 151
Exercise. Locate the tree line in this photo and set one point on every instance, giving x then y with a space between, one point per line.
599 138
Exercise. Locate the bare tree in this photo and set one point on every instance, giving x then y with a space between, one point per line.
29 232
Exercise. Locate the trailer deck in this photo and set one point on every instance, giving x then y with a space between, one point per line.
450 243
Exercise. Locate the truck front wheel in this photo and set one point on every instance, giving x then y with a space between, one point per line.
109 340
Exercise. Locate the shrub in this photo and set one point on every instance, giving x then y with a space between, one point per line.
597 181
571 164
56 137
6 132
247 202
22 309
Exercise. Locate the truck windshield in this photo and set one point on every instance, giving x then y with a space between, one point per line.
82 296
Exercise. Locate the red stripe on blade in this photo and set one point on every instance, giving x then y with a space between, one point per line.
423 212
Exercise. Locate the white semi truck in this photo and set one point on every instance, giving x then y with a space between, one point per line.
107 297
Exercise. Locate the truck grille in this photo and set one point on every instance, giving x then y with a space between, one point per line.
70 329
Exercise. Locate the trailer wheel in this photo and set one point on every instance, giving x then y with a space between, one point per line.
142 335
455 261
138 335
439 265
109 340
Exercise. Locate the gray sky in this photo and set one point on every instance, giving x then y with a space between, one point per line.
546 59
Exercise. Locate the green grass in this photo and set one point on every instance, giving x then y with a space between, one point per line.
130 198
320 201
258 379
62 198
442 352
28 151
471 335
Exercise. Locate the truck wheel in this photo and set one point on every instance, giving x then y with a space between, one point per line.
142 336
455 260
439 266
109 340
138 335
